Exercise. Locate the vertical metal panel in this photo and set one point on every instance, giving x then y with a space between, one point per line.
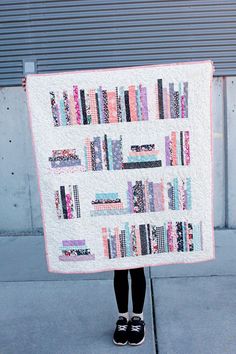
19 207
218 152
70 35
231 151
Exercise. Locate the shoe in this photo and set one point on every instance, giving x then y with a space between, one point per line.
136 331
120 334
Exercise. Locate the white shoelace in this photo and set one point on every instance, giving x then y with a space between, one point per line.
122 327
135 328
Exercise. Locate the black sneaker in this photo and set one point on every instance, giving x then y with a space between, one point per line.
136 331
120 334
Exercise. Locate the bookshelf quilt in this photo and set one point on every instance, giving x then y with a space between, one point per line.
124 165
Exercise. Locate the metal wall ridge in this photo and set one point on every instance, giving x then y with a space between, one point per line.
66 35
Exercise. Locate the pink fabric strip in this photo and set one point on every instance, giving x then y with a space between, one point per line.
112 107
72 110
132 103
108 206
187 148
93 106
68 206
105 243
116 229
77 105
143 153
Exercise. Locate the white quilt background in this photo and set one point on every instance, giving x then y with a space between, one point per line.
46 138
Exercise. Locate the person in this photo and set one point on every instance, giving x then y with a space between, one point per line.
129 329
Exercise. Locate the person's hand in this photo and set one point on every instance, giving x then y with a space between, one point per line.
23 82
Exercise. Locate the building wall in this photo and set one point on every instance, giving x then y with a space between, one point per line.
20 204
73 34
66 35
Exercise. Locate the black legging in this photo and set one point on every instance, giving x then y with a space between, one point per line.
138 286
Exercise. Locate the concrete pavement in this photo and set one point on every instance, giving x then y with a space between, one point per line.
189 309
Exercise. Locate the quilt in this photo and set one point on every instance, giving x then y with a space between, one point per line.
124 165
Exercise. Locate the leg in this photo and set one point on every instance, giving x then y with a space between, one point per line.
138 289
121 287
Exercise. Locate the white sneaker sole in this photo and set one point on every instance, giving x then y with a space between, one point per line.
141 340
119 343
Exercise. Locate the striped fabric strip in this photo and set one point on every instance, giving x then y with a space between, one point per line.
72 110
106 195
144 103
157 102
68 206
167 150
62 112
118 248
186 99
176 193
165 101
76 197
160 99
132 103
122 103
173 141
72 202
142 158
83 106
143 153
77 104
100 105
171 93
128 241
127 106
168 105
58 204
97 105
112 107
186 147
105 107
108 206
66 107
188 189
88 111
130 202
93 107
54 108
184 237
138 104
89 154
63 201
118 106
110 157
151 196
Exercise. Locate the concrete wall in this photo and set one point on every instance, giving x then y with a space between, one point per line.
20 206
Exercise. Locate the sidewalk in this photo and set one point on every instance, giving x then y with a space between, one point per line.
189 309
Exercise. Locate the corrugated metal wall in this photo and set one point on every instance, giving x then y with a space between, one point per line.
81 34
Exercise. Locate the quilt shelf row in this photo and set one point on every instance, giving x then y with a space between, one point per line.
132 240
104 153
79 106
142 196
